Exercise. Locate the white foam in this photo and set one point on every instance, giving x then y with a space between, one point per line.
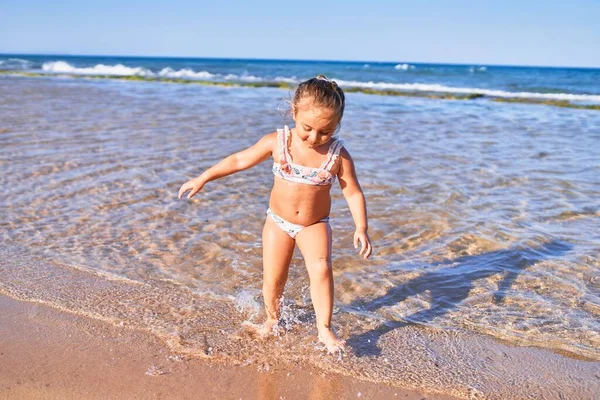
245 302
292 79
481 69
100 69
248 78
186 73
404 67
422 87
251 78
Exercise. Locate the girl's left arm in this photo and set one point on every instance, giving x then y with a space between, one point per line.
356 201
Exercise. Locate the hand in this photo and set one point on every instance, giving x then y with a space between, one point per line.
194 185
361 235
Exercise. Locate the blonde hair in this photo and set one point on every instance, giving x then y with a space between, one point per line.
321 92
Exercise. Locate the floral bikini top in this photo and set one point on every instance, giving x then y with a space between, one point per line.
289 171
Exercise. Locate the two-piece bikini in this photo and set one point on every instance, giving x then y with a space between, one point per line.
292 172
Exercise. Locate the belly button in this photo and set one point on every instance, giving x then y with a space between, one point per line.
297 212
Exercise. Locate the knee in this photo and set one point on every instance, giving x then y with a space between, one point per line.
320 269
273 284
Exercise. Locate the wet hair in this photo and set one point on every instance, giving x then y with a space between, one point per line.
321 92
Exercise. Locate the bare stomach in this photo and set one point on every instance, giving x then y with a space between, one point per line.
300 203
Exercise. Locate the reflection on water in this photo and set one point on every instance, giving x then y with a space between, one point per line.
484 216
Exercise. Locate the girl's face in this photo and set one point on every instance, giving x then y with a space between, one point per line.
315 125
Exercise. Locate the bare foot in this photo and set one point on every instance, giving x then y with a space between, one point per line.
333 344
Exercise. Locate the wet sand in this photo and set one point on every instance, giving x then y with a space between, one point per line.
50 354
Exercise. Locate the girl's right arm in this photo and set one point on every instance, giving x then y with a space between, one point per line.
240 161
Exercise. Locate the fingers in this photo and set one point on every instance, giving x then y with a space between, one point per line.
193 192
365 249
187 186
363 245
368 251
355 242
182 190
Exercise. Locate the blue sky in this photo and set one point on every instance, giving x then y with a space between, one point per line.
558 33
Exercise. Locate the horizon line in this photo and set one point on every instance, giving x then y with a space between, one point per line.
299 59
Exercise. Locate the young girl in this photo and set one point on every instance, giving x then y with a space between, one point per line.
307 159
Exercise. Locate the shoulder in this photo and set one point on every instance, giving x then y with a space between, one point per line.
265 144
344 153
343 160
270 137
269 142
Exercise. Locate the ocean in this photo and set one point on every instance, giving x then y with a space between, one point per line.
482 184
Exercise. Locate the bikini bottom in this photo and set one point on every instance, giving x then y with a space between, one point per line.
288 227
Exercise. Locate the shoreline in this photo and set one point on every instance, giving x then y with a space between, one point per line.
143 321
51 354
350 89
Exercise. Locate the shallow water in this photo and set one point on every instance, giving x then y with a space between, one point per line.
484 219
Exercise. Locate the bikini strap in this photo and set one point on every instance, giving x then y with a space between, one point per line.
333 153
282 143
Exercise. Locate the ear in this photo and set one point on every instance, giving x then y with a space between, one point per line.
293 112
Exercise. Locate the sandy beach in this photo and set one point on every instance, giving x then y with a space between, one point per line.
48 354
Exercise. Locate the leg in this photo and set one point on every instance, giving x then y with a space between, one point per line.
314 242
278 248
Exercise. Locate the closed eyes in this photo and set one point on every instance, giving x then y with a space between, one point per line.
308 129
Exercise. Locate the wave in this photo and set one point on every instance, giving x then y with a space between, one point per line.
15 63
17 60
434 87
293 80
120 70
100 69
247 78
404 67
186 73
477 69
63 67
